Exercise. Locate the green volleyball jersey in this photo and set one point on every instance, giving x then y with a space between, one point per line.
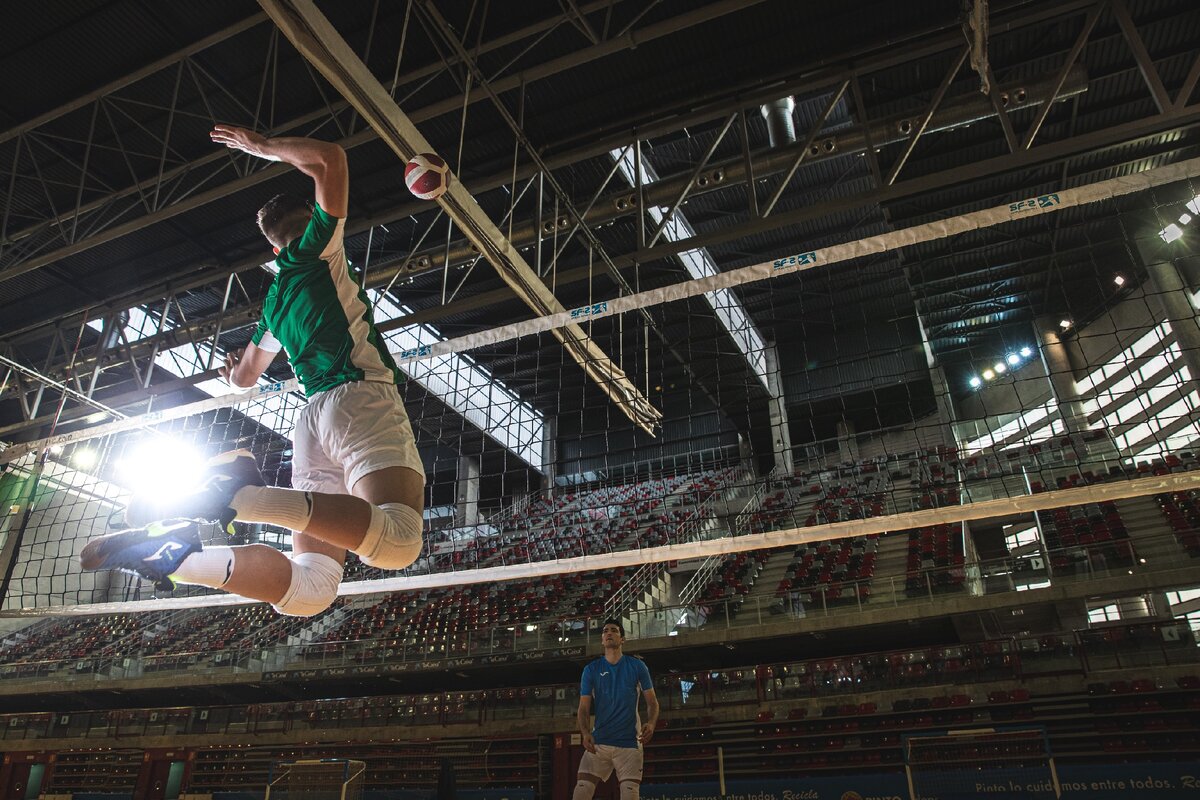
316 311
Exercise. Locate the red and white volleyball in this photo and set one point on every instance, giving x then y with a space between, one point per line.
427 176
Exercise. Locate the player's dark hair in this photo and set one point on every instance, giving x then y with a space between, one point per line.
283 218
616 622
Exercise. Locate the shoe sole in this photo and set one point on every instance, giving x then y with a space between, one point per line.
93 555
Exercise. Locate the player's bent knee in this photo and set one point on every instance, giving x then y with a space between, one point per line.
314 586
394 537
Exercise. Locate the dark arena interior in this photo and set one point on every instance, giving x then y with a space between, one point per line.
845 356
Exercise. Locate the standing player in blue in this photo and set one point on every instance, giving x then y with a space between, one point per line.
610 687
359 483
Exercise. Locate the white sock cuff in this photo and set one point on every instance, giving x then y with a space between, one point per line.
273 505
212 567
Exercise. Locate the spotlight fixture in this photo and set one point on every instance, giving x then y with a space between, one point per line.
1174 231
1119 280
975 382
1026 352
1013 359
1000 368
988 374
1064 323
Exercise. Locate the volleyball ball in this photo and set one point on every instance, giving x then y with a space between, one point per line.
427 176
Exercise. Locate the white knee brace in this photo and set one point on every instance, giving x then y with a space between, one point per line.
314 585
394 537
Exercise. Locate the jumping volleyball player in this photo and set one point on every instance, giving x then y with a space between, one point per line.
359 483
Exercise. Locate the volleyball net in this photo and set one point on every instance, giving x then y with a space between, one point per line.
819 395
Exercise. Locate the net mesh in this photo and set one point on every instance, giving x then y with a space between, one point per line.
799 400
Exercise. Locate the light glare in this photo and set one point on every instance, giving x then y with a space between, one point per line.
988 374
1013 359
84 458
1171 233
1026 352
1000 368
161 468
975 382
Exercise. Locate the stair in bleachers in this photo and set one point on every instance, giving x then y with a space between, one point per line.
1150 530
771 574
890 567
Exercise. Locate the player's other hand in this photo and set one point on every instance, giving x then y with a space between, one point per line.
232 359
647 733
589 743
242 139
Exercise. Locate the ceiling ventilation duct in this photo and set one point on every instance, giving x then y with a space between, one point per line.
781 125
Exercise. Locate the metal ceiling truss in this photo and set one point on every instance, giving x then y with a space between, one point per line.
177 185
689 113
745 168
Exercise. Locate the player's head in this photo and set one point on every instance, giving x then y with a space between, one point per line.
612 634
283 218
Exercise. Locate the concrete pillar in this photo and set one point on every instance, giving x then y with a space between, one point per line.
549 456
941 394
1168 285
1057 361
847 445
466 492
781 437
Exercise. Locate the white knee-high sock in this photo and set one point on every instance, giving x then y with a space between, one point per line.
212 567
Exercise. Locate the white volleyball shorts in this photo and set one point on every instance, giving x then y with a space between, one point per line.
350 431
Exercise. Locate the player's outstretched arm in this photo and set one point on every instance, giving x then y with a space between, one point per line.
324 162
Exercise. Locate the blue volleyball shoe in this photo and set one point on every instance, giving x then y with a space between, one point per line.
211 502
152 553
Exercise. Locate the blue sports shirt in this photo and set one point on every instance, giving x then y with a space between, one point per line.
615 689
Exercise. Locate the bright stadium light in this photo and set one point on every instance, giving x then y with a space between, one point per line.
84 458
975 382
1026 352
1171 233
1013 359
1193 205
1064 323
162 468
1119 280
1000 368
988 374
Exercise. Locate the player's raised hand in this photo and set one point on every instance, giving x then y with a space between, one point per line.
243 139
231 362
